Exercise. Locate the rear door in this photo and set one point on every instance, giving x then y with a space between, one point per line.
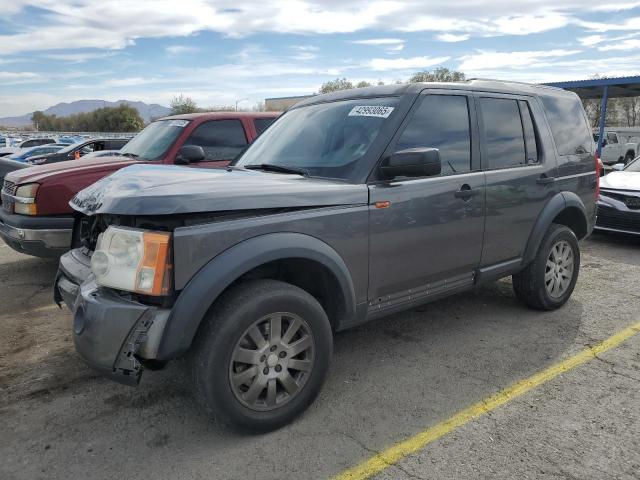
221 140
520 173
426 233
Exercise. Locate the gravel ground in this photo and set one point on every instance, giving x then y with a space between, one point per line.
389 380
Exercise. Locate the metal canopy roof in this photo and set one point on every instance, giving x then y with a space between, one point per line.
617 87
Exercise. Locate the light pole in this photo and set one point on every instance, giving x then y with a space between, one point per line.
238 101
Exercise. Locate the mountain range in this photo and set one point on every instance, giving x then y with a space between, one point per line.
147 111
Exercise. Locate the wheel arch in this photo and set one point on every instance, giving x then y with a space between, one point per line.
256 258
564 208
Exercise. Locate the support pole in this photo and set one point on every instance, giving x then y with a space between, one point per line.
603 118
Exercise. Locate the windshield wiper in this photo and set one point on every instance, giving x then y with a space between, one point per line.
130 155
276 168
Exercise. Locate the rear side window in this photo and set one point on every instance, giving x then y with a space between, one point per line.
442 122
220 139
568 125
503 133
261 124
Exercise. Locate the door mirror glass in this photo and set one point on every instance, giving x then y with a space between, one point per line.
190 154
618 166
412 162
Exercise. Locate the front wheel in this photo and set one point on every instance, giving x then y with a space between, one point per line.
628 157
548 281
262 356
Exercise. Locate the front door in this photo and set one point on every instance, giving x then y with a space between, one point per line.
426 233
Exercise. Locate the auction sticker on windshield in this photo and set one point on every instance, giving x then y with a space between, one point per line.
370 111
178 123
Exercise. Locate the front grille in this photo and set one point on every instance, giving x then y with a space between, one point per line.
8 188
618 220
631 201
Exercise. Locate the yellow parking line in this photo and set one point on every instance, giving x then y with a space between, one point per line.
394 454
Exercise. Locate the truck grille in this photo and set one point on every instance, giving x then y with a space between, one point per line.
618 220
8 189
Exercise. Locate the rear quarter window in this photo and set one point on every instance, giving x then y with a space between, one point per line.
568 124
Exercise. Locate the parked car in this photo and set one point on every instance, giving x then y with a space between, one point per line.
619 202
6 151
35 142
77 150
26 154
7 165
620 145
68 140
36 218
351 206
102 153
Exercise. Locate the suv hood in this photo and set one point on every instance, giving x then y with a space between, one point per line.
166 190
40 173
621 181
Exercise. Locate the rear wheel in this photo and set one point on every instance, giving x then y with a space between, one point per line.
548 281
628 157
261 358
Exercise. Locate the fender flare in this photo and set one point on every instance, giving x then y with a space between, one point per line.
211 280
559 202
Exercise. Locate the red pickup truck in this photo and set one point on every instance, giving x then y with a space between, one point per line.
35 217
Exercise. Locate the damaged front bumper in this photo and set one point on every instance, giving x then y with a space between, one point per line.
112 333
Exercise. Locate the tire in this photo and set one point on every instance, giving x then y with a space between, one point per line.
226 361
628 157
533 287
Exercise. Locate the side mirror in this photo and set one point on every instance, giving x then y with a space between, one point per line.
190 154
412 162
618 166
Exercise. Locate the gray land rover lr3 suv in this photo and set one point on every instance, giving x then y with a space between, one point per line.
351 206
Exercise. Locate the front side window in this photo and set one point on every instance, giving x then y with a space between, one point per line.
323 140
502 133
441 122
220 139
261 124
612 138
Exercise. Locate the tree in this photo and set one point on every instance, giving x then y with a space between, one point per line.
181 104
122 118
438 75
362 84
335 85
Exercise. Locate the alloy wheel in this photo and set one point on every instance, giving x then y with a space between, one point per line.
559 269
272 361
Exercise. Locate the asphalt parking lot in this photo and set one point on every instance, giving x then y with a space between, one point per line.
389 380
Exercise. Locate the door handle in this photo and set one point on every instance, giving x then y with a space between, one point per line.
545 180
465 192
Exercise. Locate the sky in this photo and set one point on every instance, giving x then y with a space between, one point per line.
222 52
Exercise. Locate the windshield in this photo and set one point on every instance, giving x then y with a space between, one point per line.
323 140
152 142
634 166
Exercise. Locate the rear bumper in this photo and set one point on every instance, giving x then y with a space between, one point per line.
37 236
112 333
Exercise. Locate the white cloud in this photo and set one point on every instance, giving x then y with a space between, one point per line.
14 78
79 57
484 60
632 44
110 24
450 37
379 41
180 49
591 40
404 63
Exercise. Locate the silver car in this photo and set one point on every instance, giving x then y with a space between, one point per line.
619 203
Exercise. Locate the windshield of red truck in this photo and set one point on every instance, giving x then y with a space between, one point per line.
154 141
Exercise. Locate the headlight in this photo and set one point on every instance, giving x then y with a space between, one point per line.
25 199
133 260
